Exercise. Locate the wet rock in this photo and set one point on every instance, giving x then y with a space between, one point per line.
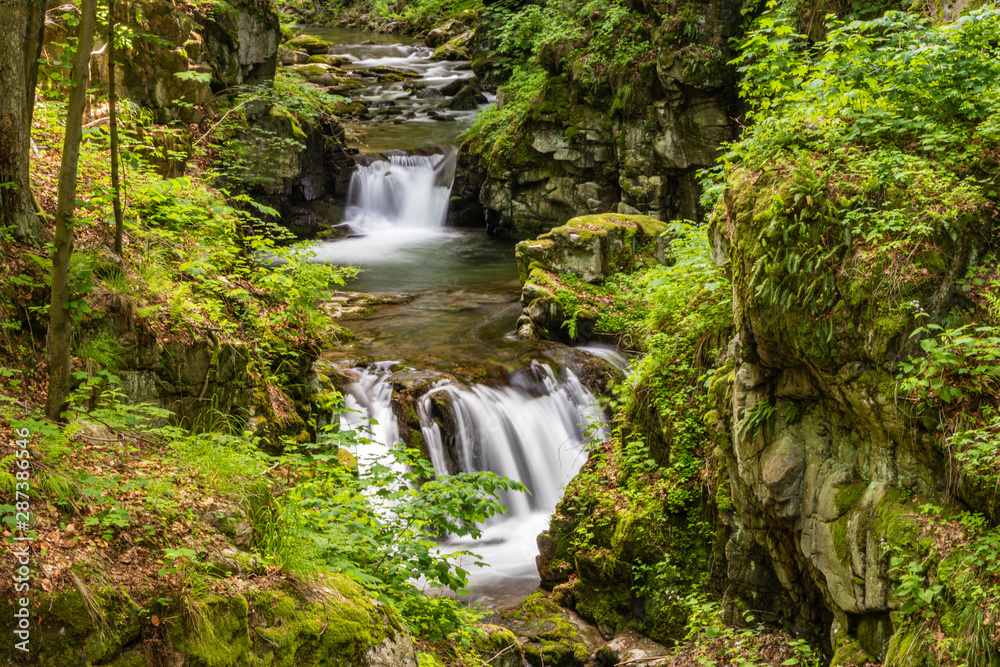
386 74
451 89
466 99
434 115
430 94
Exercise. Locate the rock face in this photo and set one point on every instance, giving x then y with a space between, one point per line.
817 443
214 47
630 148
590 248
283 160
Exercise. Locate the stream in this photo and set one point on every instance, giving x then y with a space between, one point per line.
530 424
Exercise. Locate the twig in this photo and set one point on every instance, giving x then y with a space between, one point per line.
509 648
262 636
647 659
243 103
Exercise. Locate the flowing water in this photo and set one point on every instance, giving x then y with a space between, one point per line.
432 124
532 425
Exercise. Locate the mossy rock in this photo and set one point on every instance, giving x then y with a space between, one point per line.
498 647
70 628
594 247
281 627
309 44
312 70
550 635
453 49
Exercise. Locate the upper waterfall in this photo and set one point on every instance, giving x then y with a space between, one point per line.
407 191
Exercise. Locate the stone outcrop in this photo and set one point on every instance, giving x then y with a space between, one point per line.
194 54
628 148
591 248
817 442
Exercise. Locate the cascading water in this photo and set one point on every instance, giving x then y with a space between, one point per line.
394 205
369 403
532 432
533 437
408 192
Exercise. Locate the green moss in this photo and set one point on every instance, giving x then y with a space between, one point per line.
849 496
308 43
311 71
552 639
70 630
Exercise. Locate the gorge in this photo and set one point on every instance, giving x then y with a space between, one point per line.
681 316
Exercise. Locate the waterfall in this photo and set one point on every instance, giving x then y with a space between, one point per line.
369 403
533 435
407 191
533 432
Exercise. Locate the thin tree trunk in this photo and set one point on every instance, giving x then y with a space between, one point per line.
60 324
22 24
113 120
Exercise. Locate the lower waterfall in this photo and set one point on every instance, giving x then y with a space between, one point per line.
533 431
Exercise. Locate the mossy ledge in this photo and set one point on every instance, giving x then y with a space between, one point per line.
277 622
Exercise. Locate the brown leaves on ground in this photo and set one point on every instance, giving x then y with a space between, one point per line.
130 556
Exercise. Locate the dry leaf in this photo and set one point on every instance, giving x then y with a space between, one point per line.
155 620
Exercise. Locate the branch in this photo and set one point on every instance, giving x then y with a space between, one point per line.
243 103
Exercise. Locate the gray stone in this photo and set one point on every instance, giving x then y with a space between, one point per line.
289 57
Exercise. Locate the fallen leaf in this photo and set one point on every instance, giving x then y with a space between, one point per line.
155 620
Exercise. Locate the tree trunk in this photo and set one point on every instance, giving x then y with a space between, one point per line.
113 121
22 24
60 324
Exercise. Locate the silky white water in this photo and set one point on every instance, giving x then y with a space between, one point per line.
533 433
369 413
394 206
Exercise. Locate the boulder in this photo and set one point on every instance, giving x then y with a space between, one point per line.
550 635
436 38
454 49
466 99
594 247
288 57
630 646
311 45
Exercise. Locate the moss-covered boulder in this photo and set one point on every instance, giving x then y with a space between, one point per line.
336 623
454 49
593 247
308 43
555 304
551 635
498 647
